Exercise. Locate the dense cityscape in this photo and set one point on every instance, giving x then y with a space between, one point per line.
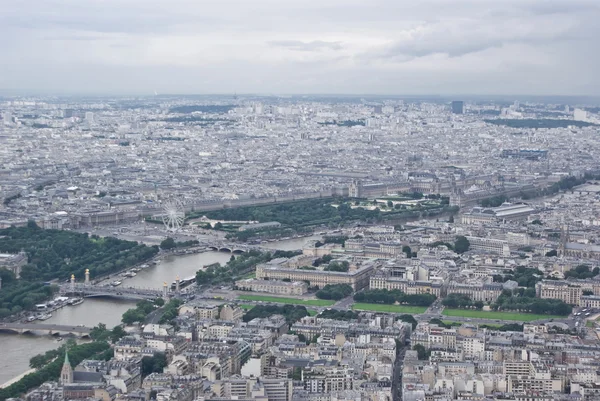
299 248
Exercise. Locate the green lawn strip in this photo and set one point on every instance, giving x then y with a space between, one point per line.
590 323
293 301
452 323
389 308
492 315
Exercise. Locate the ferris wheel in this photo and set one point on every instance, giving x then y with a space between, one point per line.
173 215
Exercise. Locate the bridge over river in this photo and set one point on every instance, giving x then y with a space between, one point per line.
236 248
88 290
51 329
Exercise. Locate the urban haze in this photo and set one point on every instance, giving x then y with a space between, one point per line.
299 201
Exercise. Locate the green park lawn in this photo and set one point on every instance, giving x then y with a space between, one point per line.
389 308
293 301
478 314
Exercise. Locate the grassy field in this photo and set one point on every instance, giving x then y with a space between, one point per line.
248 307
389 308
293 301
478 314
590 324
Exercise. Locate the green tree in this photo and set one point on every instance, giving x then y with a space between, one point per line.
117 333
408 319
168 243
422 353
132 316
462 244
99 332
153 364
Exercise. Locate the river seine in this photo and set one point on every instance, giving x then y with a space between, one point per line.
16 350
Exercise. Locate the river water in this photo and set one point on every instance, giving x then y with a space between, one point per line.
16 350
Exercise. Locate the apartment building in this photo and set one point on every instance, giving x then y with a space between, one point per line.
477 290
357 279
490 245
254 388
273 286
563 290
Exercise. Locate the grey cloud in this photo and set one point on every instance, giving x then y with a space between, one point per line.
315 45
376 38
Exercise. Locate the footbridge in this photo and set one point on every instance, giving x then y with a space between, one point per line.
87 291
41 328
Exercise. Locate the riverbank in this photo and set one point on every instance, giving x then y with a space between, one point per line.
17 378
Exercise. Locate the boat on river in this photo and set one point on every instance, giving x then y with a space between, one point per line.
75 301
45 316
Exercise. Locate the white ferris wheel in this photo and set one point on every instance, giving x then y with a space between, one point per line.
173 215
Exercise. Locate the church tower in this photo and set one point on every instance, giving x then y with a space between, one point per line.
66 374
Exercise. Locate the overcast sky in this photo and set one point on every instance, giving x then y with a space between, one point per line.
529 47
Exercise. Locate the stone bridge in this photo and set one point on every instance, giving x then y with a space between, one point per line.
87 291
236 248
51 329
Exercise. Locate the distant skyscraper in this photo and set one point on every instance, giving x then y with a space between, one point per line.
89 116
7 118
579 115
458 107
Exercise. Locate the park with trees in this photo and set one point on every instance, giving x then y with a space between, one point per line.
55 255
383 296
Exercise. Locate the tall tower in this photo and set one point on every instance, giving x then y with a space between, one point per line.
72 283
66 374
87 276
458 107
564 239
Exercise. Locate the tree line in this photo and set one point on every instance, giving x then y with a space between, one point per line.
383 296
510 300
334 291
461 301
292 313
